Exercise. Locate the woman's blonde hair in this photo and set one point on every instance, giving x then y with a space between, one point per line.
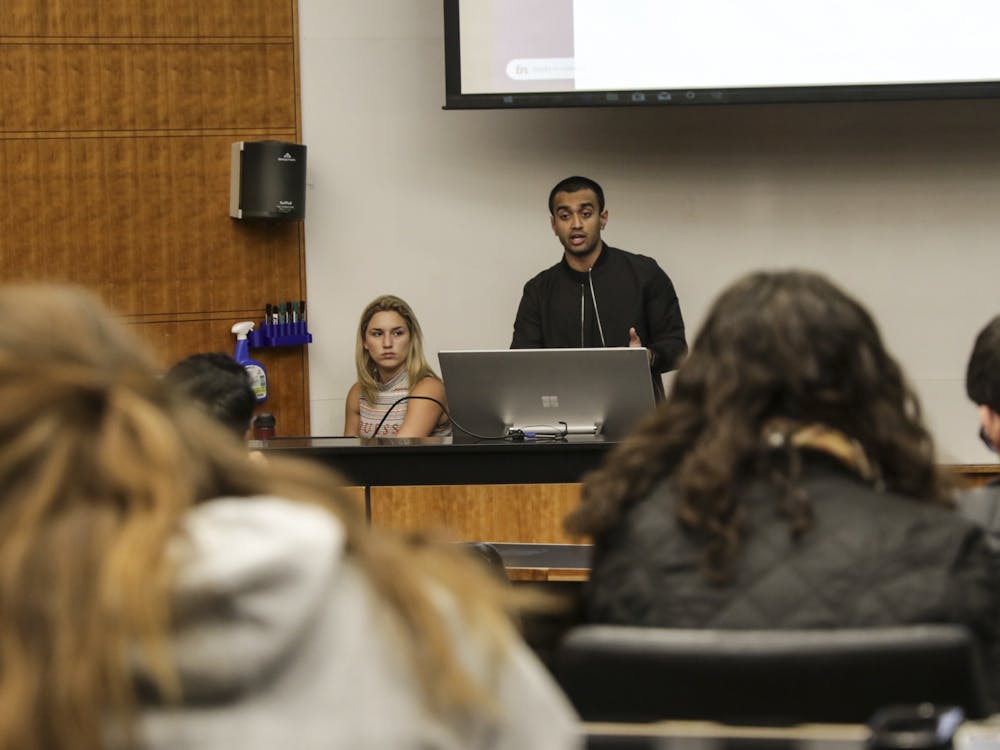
416 364
100 462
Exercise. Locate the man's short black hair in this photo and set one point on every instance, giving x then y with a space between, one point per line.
574 184
982 376
220 384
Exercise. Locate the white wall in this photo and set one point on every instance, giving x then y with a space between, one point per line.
899 202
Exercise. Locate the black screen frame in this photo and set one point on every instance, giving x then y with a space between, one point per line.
456 100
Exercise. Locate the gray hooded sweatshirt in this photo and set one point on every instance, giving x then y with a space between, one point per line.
281 641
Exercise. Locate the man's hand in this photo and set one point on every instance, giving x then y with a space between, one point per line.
634 341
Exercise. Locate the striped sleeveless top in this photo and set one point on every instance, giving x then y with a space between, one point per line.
388 394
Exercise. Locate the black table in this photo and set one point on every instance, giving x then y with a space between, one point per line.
387 462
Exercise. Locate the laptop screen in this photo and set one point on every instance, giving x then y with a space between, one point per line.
494 392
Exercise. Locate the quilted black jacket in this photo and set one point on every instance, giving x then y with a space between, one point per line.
873 558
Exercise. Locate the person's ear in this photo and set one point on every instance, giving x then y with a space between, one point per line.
552 223
604 219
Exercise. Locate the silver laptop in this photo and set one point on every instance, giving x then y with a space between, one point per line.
534 392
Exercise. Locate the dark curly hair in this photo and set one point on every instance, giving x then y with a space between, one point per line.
787 346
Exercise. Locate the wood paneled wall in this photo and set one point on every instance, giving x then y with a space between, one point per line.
116 119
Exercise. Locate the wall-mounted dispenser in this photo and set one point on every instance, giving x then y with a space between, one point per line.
267 180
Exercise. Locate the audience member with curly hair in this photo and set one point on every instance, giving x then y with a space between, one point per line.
787 482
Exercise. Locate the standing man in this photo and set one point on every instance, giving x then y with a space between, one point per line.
598 295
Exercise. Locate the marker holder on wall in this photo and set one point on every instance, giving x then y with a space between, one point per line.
280 334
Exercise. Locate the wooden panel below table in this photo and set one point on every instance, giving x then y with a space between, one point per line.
973 475
562 575
355 496
528 513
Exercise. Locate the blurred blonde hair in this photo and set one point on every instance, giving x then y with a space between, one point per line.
416 363
99 462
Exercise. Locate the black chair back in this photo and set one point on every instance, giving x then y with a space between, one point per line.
619 673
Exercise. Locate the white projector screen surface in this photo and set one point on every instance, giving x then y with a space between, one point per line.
720 50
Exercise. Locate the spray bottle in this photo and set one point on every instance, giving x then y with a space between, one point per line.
256 371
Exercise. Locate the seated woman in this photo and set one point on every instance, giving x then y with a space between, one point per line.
160 589
389 356
787 482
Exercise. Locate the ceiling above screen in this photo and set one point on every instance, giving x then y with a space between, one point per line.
552 53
